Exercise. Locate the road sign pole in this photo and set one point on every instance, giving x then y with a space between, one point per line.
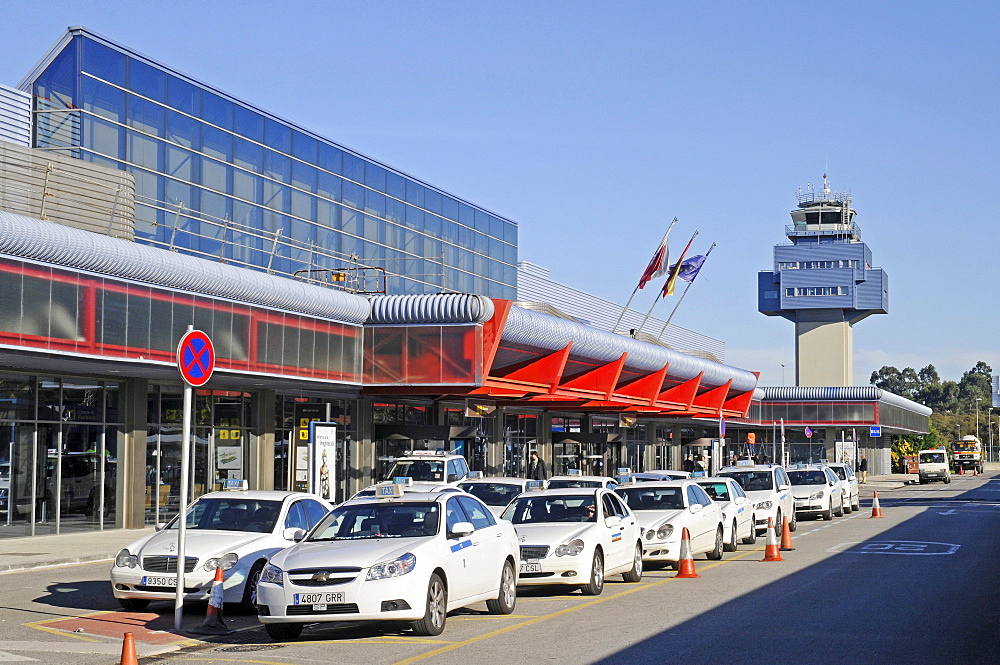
182 515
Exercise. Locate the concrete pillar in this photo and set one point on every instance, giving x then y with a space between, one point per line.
131 489
260 474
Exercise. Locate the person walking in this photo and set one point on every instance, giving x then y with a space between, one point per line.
863 468
536 468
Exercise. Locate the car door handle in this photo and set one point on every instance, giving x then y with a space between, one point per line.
499 535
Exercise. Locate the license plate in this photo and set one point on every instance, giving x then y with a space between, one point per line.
531 567
159 581
318 600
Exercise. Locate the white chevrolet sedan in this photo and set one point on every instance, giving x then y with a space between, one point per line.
664 509
739 521
575 537
236 530
405 557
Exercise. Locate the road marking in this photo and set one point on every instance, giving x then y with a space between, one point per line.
559 613
950 512
899 547
12 658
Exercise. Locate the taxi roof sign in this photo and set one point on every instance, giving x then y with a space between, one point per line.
624 471
744 462
428 453
475 475
574 472
534 485
625 479
393 491
236 484
402 480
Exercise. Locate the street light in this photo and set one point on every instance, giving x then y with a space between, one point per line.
978 399
782 374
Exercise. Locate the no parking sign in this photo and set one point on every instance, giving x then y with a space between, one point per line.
196 358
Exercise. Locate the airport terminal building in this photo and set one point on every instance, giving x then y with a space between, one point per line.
136 201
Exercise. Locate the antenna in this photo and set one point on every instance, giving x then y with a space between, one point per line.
826 188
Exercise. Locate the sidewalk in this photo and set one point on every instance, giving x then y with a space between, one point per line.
85 547
889 481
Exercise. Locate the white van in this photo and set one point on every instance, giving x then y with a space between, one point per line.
932 464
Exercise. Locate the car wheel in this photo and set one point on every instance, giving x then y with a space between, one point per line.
947 480
716 553
437 609
283 632
504 602
794 524
731 545
857 504
752 538
596 585
778 524
635 574
249 603
828 513
133 604
840 510
848 507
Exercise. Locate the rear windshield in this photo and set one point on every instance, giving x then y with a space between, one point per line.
807 477
751 481
531 510
387 519
718 491
493 494
652 498
569 483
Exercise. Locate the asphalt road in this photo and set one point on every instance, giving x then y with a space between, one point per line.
918 586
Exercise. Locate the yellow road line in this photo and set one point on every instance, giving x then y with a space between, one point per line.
553 615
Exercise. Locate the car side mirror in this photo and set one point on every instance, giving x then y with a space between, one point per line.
782 488
611 521
697 507
160 527
293 534
461 529
452 477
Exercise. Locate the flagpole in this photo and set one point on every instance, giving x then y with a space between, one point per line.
681 299
671 276
636 289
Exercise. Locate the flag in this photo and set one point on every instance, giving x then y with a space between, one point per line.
668 286
658 264
690 267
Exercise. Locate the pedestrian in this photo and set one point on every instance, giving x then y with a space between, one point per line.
863 468
687 464
536 468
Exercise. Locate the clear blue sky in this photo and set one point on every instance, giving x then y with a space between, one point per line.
593 124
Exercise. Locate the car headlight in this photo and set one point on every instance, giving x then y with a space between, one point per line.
394 568
764 505
665 531
572 548
126 559
272 575
816 495
226 561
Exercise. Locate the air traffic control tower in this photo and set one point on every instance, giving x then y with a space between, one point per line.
824 282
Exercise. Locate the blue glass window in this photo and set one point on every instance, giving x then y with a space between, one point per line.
415 193
304 176
214 175
432 225
250 156
58 82
305 147
277 166
354 168
277 136
375 176
180 163
414 217
276 196
146 116
103 62
331 158
351 222
449 208
216 110
395 211
510 233
302 205
103 99
183 96
247 186
328 214
329 186
496 227
146 80
433 201
395 186
248 123
449 232
144 151
353 195
374 203
466 215
101 137
183 130
482 221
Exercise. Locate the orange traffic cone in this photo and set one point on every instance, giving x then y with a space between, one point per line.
685 566
129 656
786 535
876 509
213 623
961 470
772 552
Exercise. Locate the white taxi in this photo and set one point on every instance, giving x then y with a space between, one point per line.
372 490
660 474
768 488
397 557
817 491
577 481
850 482
236 530
496 492
575 537
430 466
737 510
664 509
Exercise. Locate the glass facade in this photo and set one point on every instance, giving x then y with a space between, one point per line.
222 180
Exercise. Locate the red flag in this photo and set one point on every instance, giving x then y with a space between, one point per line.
658 264
668 286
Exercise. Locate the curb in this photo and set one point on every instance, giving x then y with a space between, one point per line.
53 563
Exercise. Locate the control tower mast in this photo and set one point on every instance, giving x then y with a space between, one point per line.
824 282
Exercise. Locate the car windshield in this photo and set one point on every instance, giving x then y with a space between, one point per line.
807 477
652 498
537 509
965 447
427 470
493 494
932 458
379 519
751 481
572 484
232 514
718 491
840 471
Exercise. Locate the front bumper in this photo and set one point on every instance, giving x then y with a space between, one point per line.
401 598
661 550
554 569
133 583
807 506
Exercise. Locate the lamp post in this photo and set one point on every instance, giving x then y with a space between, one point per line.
782 375
978 399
